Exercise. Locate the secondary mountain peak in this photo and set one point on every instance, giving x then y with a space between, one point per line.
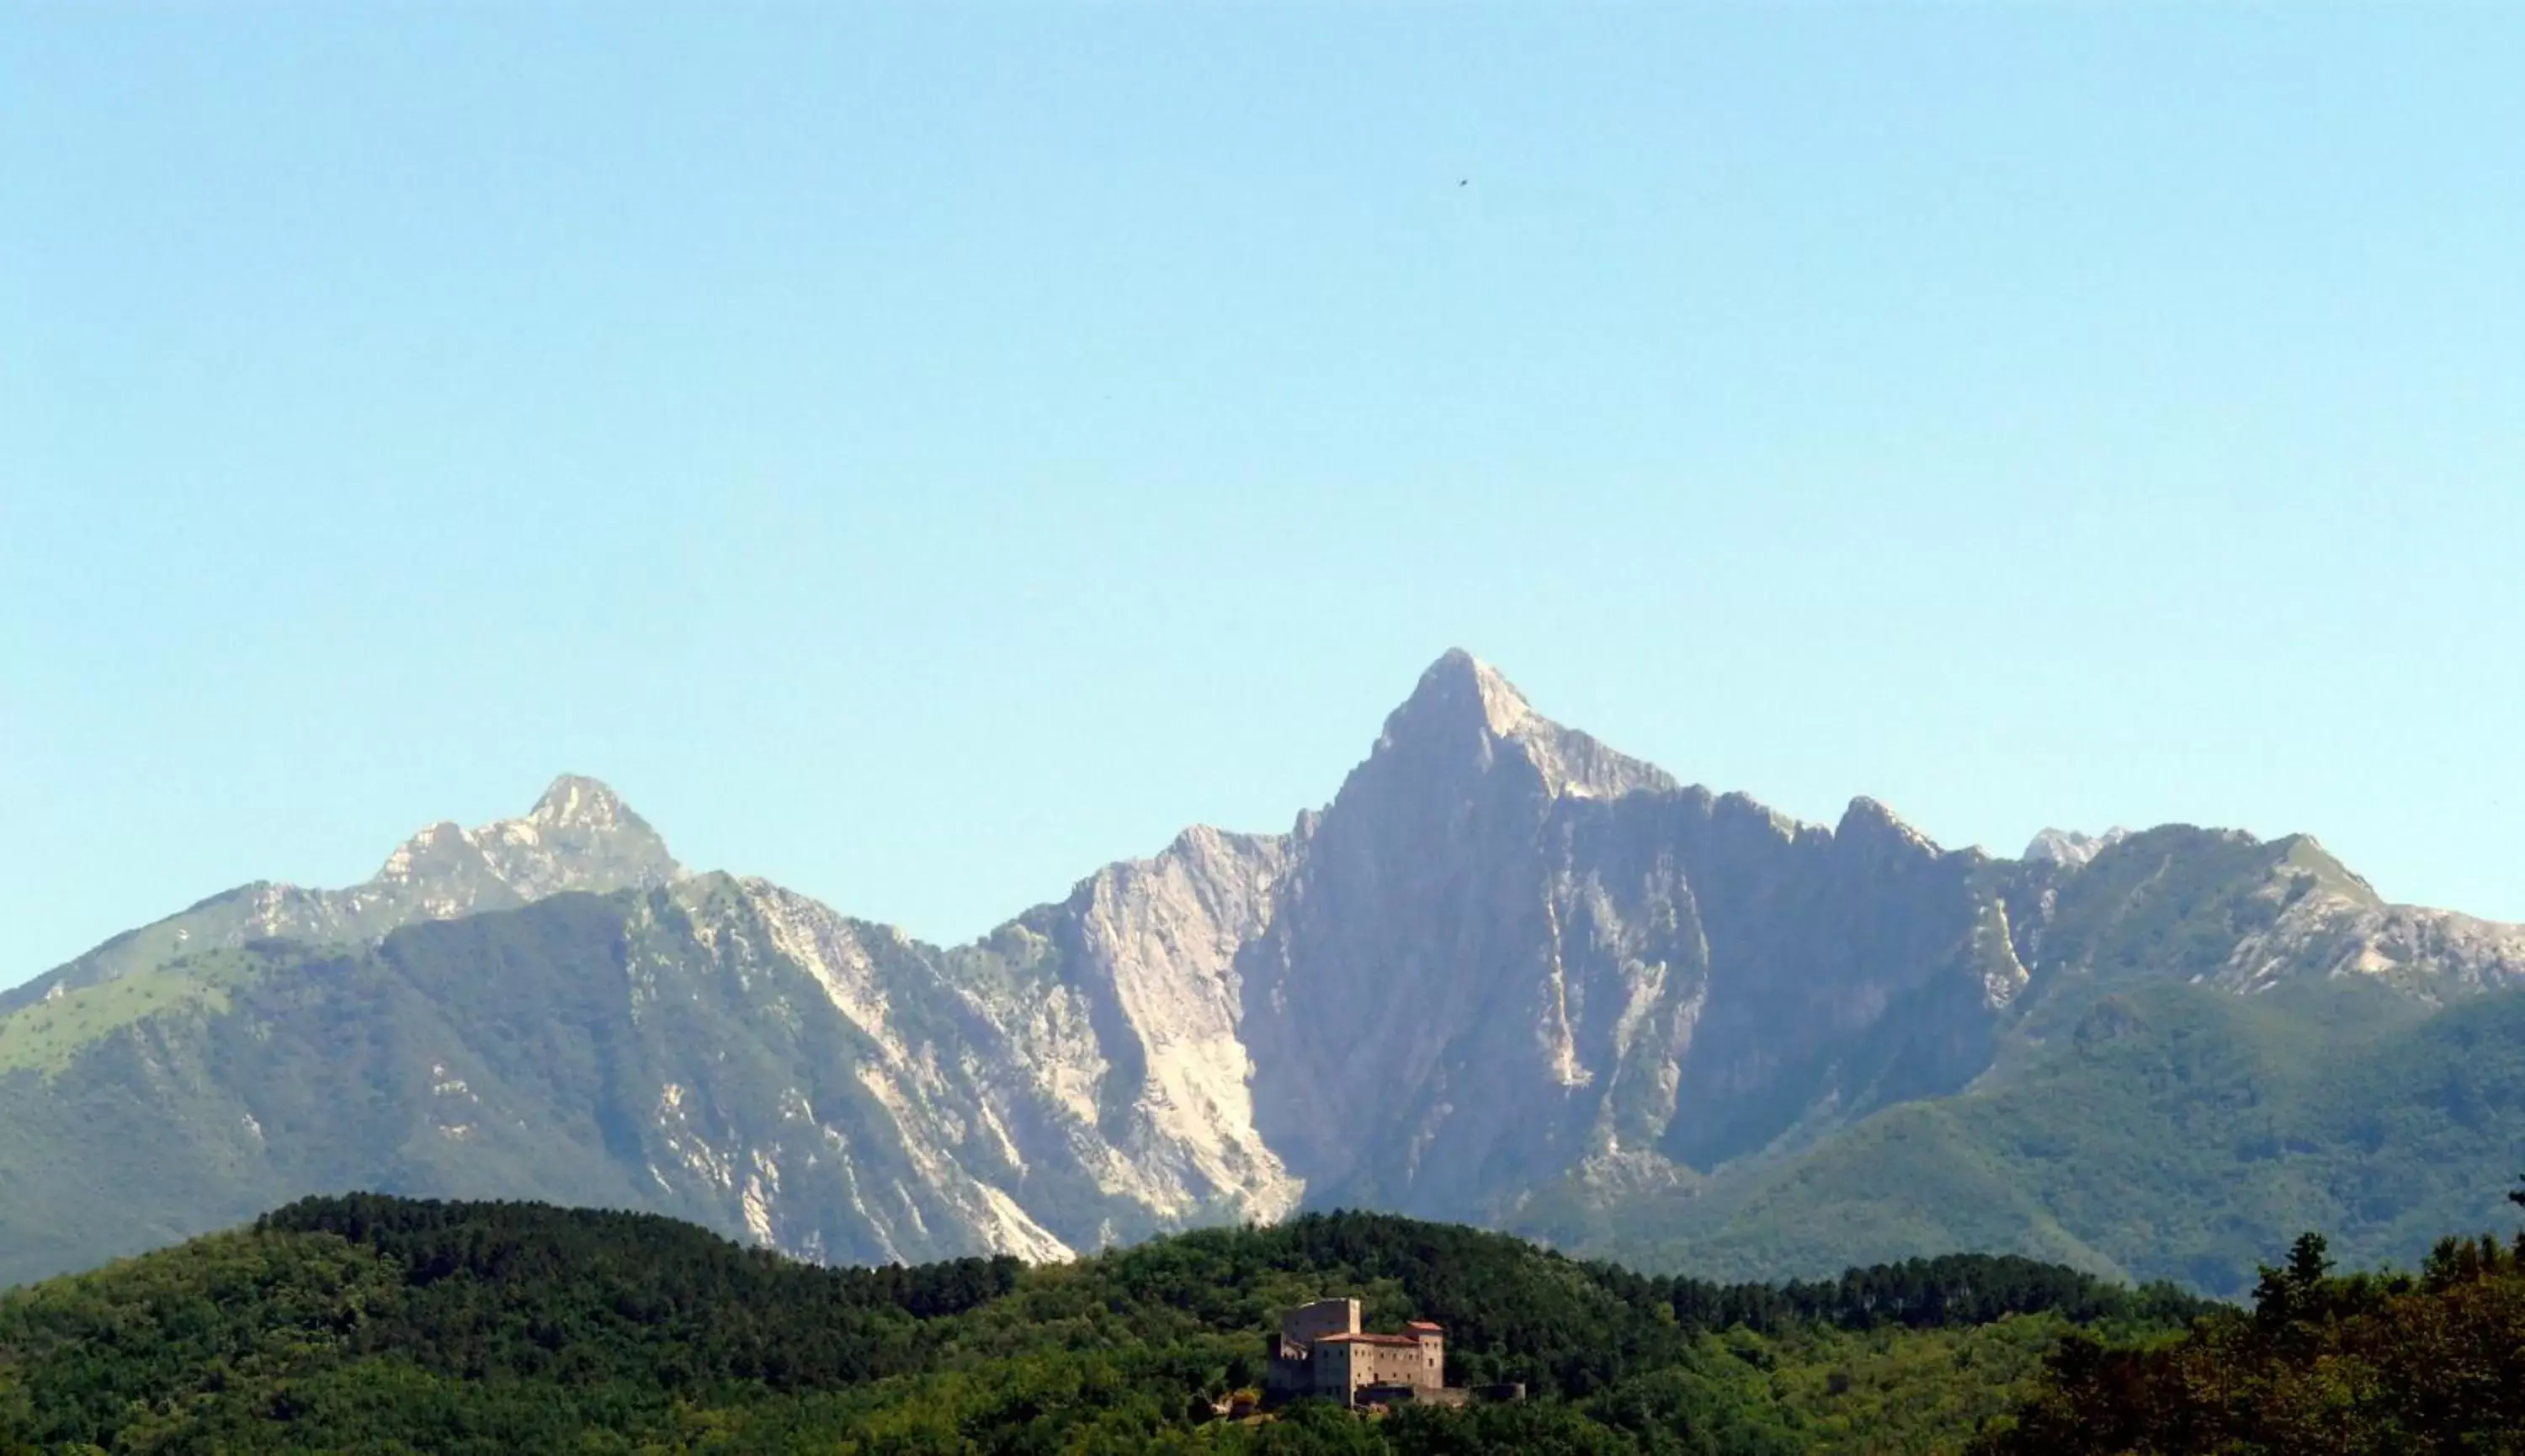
579 836
2069 849
1869 819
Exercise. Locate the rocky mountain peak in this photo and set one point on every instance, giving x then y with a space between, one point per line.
577 801
1464 708
1460 677
433 845
1459 697
1868 821
580 835
2071 849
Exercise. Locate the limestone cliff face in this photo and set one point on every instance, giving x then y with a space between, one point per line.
1077 1074
1419 1000
1151 946
1509 953
2435 954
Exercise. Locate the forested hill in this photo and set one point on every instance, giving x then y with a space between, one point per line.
2366 1364
376 1323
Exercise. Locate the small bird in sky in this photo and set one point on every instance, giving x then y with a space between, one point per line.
1462 182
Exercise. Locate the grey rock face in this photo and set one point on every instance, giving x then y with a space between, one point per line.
1509 954
2070 848
1151 946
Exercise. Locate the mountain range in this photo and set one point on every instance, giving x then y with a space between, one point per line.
1508 976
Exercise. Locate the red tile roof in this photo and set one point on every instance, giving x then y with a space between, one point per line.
1365 1339
1423 1324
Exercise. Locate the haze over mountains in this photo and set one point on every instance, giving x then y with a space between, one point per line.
1508 976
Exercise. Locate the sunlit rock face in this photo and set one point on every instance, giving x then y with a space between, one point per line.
1509 953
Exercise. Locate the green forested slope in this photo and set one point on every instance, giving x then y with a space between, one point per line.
2150 1129
380 1323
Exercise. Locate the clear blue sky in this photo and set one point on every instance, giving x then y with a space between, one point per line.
920 454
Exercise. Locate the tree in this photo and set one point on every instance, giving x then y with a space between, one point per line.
2285 1293
13 1418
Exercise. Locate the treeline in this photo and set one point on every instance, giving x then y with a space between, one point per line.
376 1323
1921 1294
679 1266
2340 1364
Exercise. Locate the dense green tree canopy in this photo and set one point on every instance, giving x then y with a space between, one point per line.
2362 1365
384 1324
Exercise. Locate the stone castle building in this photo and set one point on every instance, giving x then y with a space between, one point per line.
1320 1351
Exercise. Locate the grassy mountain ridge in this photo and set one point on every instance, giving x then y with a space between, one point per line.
376 1323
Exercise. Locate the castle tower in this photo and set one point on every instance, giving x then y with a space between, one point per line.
1430 1371
1292 1352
